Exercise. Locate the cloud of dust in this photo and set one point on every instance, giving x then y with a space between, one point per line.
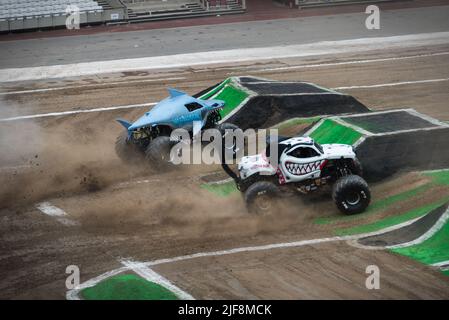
178 208
51 157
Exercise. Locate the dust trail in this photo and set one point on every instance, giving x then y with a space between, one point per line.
43 159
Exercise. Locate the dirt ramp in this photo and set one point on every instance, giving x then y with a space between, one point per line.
260 103
266 111
389 142
408 233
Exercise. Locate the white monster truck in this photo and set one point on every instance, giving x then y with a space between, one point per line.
303 166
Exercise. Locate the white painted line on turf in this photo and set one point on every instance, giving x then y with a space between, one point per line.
220 182
427 235
355 243
150 275
275 246
52 211
135 182
72 112
441 264
74 293
350 62
392 84
93 85
224 56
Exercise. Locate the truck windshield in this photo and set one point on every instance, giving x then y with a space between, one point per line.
319 147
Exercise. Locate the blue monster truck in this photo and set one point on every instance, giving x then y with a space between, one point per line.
149 136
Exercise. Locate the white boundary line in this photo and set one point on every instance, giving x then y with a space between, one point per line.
102 84
150 275
343 63
392 84
72 112
219 182
427 235
103 109
441 264
350 125
284 245
73 294
355 243
236 83
224 56
53 211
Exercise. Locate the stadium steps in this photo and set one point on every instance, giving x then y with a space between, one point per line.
327 3
189 10
104 4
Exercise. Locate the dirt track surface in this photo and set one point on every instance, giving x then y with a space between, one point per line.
122 212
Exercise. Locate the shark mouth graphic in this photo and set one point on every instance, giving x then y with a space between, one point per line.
298 169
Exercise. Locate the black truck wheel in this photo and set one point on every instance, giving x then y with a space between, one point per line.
158 152
351 194
260 197
127 151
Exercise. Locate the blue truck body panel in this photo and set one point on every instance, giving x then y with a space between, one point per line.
173 112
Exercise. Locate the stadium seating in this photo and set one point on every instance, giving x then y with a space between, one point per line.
16 15
13 9
151 10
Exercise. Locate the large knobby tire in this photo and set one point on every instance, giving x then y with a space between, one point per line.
127 151
158 153
229 151
351 194
261 197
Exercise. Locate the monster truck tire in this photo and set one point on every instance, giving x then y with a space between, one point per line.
229 151
127 151
351 194
158 153
260 197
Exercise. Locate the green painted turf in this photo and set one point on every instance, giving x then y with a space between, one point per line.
332 132
209 94
127 287
221 190
439 177
378 205
230 94
393 220
433 250
233 98
446 272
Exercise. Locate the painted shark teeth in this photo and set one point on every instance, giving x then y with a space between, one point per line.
301 169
